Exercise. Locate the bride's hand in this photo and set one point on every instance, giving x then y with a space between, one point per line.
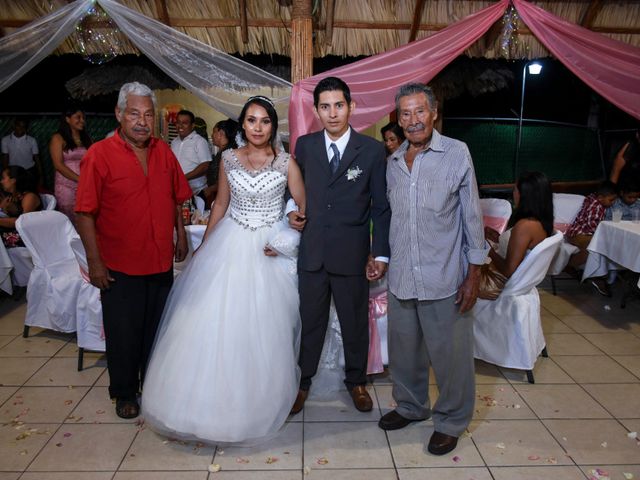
269 252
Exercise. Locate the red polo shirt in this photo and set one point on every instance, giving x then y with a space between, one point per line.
135 214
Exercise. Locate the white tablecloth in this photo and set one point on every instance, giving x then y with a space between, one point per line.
5 270
613 245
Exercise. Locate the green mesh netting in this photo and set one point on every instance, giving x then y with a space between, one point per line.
563 153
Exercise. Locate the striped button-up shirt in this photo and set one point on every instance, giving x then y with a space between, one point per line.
436 222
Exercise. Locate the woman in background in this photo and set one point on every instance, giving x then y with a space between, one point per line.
530 224
67 147
19 187
393 136
223 137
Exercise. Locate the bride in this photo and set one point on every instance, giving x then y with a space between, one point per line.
224 364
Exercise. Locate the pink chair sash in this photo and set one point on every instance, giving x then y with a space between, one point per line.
377 309
562 227
497 223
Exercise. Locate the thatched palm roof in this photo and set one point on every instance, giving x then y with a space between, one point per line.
356 27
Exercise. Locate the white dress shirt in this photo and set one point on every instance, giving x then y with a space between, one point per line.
192 151
20 150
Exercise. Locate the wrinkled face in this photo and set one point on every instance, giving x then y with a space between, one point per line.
75 121
334 112
630 197
8 183
416 118
136 120
607 200
391 141
257 125
184 125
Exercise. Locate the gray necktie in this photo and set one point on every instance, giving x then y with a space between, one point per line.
335 161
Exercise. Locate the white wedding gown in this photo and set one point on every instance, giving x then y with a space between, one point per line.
224 367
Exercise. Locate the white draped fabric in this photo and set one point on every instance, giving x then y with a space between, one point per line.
219 79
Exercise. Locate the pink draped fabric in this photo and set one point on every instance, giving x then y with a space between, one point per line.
497 223
610 67
375 80
377 309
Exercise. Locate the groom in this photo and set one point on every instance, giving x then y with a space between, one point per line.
345 185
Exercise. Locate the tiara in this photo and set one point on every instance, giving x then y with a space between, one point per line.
263 98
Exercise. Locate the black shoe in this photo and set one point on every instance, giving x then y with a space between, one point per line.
441 443
394 421
126 408
601 287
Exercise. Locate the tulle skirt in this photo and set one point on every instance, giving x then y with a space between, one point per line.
224 365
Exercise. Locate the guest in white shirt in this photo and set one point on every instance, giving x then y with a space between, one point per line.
192 151
21 150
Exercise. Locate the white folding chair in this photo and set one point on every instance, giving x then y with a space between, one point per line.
508 331
495 213
565 209
90 330
49 202
52 291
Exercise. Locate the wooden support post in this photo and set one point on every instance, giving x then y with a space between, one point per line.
301 40
417 16
163 13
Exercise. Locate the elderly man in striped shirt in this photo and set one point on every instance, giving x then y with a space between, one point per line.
437 246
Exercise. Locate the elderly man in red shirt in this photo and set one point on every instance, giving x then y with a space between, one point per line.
128 203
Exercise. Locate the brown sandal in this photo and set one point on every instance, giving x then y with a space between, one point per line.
127 408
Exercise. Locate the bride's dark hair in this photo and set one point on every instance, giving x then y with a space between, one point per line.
265 103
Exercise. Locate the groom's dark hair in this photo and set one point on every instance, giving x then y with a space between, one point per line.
330 84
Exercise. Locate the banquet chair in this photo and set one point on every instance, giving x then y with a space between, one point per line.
20 256
200 204
52 290
90 331
507 331
495 213
565 209
48 201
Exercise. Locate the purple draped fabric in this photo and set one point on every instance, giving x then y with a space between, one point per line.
374 81
610 67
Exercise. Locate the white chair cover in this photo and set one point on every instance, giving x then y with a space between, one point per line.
495 213
89 308
22 265
565 208
49 202
508 331
52 291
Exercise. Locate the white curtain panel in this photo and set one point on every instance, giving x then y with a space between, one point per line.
219 79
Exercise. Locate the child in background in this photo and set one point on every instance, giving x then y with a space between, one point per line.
628 202
584 226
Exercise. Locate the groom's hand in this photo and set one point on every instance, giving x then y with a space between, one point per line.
375 269
297 220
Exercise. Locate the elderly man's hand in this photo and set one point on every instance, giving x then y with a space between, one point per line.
99 275
375 269
182 248
468 291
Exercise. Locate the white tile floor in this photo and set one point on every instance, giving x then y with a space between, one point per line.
58 424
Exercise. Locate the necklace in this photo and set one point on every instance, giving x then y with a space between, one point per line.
253 167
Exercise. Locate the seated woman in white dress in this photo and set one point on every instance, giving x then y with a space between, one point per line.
530 224
224 365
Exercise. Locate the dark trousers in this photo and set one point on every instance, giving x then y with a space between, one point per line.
351 297
131 312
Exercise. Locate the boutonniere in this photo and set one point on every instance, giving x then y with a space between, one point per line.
353 173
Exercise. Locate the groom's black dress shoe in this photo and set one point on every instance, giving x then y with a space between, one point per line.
441 443
299 403
394 421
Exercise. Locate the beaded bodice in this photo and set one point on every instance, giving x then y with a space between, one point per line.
257 196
